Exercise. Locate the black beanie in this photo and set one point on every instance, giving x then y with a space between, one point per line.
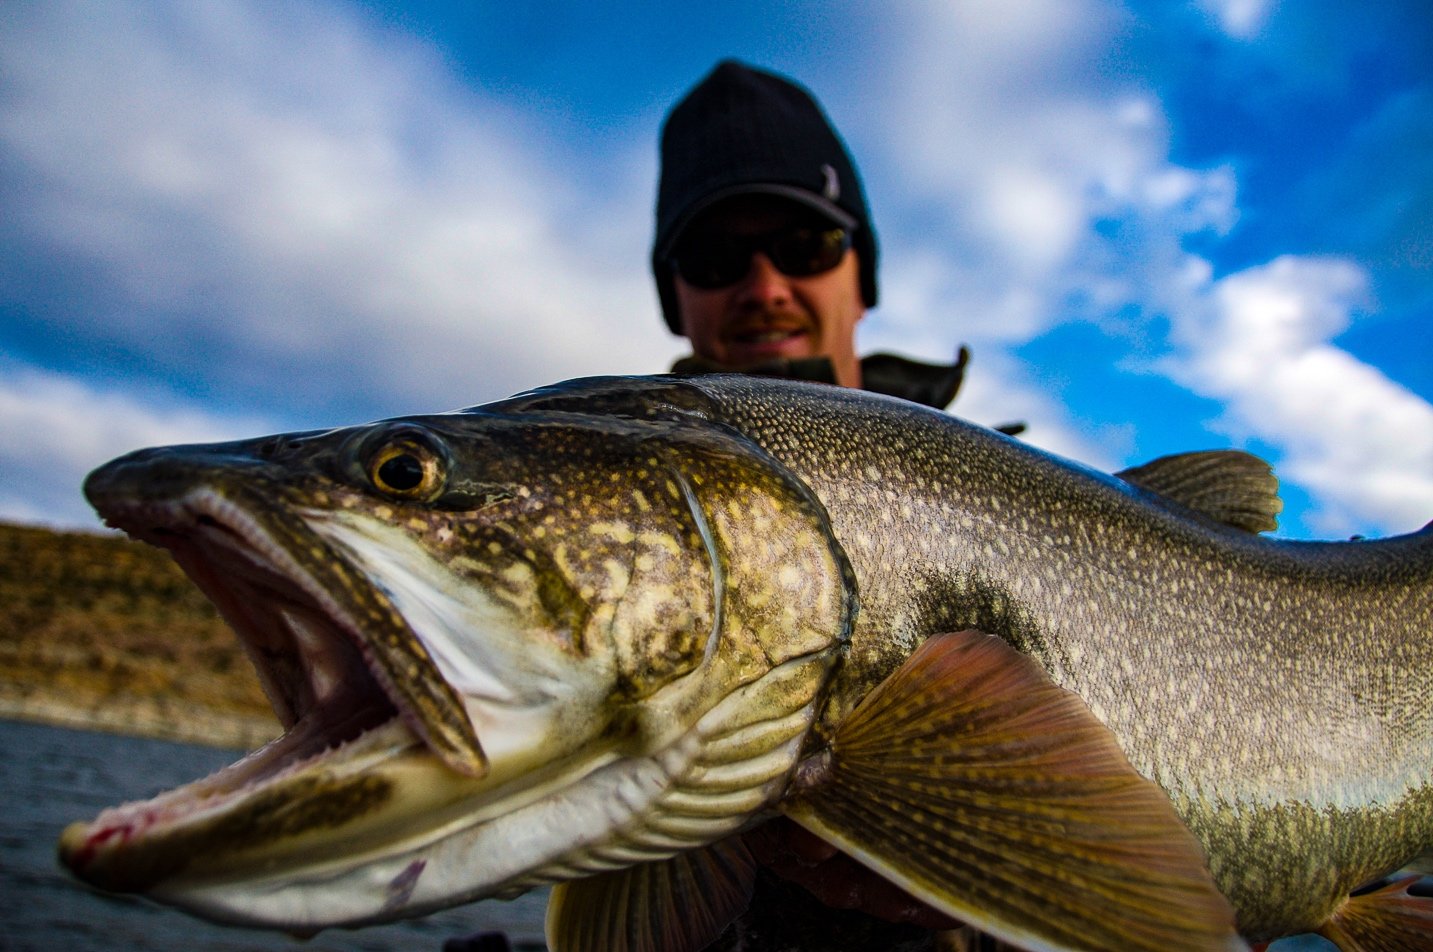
741 131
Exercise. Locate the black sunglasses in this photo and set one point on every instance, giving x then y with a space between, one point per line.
797 252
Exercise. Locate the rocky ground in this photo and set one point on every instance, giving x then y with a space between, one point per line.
100 632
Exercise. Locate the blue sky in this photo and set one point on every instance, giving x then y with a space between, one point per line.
1159 226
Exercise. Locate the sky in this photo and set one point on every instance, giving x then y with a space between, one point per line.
1158 226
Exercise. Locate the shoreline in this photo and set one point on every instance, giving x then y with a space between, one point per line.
102 633
159 718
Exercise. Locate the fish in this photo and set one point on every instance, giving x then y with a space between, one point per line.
597 633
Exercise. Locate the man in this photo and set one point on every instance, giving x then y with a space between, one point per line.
765 260
765 255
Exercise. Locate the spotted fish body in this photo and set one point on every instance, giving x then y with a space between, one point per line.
682 591
1273 689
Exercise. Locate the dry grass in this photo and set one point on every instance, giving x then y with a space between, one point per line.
102 631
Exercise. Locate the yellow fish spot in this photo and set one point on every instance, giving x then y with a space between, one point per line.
619 576
617 531
661 540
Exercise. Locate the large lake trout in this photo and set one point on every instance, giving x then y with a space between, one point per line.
595 633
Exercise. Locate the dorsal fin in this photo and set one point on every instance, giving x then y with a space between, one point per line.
1230 486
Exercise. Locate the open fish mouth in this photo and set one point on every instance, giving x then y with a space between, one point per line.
317 678
350 683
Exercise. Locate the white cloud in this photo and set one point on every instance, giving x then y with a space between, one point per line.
318 212
1260 340
1031 216
1240 19
302 212
311 206
1026 151
1012 153
54 430
316 202
1056 199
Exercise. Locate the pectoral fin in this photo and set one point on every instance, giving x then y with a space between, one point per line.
1390 919
981 787
681 904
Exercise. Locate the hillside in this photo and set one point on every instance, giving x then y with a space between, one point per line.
98 631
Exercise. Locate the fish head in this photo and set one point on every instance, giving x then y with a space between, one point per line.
508 647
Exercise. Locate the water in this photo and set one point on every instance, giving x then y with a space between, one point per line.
51 776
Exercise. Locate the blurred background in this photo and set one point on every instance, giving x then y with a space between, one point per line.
1160 226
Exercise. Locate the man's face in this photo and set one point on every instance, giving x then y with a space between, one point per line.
765 314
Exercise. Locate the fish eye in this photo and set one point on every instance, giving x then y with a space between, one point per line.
406 469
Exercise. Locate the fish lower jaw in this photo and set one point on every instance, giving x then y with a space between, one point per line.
334 714
136 846
592 815
526 825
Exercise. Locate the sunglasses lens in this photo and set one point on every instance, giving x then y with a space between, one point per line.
802 252
796 252
714 263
